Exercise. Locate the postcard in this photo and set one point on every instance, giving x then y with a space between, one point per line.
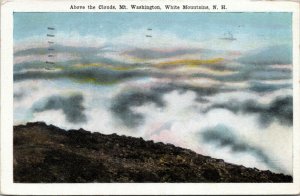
149 97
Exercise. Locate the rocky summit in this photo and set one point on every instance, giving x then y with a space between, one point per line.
45 153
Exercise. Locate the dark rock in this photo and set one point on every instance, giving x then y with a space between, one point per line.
45 153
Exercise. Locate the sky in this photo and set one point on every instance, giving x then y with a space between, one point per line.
216 83
110 25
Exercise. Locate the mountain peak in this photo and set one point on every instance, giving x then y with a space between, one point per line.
45 153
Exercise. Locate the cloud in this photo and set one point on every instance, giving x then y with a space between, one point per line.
19 95
58 48
121 106
250 72
89 74
179 122
124 92
58 57
280 109
123 103
63 56
182 88
265 88
223 137
154 54
71 106
72 63
176 121
277 54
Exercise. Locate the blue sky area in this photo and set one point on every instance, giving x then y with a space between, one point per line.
187 25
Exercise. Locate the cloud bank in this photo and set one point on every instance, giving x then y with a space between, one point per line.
226 99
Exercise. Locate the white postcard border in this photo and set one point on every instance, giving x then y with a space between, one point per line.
7 185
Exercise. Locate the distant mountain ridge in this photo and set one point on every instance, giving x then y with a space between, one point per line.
45 153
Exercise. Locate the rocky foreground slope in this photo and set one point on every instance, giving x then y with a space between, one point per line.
45 153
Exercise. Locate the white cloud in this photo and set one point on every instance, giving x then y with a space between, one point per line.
245 95
58 57
180 122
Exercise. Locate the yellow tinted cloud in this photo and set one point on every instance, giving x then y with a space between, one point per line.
111 67
191 62
89 65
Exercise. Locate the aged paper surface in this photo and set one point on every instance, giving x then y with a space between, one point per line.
151 97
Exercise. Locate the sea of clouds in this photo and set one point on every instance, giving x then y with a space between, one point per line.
239 110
